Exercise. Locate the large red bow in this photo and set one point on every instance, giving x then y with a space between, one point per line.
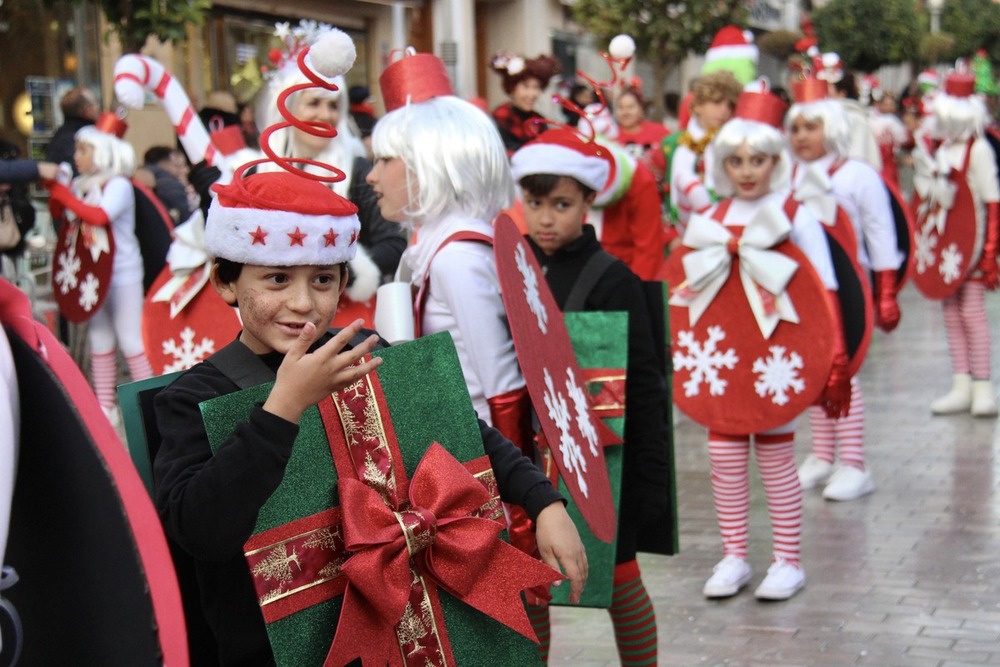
433 539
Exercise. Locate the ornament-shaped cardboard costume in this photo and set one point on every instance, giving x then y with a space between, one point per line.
554 380
79 500
81 276
949 239
184 320
740 366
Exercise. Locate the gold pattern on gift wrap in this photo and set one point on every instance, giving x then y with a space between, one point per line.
600 380
360 434
277 565
413 627
492 508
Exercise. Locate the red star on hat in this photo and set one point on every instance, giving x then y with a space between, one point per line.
296 237
259 236
331 238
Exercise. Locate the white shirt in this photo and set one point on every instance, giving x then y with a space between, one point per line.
117 198
862 193
688 193
463 298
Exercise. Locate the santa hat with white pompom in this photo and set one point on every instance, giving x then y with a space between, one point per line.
289 217
732 49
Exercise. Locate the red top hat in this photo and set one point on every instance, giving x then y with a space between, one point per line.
959 84
761 107
229 139
809 90
110 123
416 77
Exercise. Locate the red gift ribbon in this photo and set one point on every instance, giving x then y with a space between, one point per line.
606 391
403 539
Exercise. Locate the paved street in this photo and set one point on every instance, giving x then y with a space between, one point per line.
907 576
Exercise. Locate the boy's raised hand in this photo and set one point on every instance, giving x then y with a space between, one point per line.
305 378
559 544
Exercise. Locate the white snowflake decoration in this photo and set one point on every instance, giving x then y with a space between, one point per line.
187 354
88 292
778 374
704 361
950 265
926 241
531 292
69 267
582 408
569 448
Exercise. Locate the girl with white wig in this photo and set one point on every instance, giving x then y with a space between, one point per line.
820 137
751 172
441 167
960 119
101 199
381 242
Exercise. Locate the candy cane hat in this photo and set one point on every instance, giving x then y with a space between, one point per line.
289 218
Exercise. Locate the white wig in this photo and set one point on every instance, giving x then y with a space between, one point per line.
453 152
760 138
836 126
112 156
959 118
342 149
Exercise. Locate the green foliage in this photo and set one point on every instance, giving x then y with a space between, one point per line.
936 48
135 20
975 25
868 34
664 31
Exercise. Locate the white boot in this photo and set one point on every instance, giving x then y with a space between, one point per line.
959 399
984 399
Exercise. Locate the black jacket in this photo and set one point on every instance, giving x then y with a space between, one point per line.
209 504
63 143
645 486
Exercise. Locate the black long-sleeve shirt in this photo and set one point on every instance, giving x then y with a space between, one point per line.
209 504
646 461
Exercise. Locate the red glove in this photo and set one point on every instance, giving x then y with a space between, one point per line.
836 397
988 261
92 215
886 307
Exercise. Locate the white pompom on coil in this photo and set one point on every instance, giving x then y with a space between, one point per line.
333 54
621 47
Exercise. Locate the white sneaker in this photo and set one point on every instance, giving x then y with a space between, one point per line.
984 399
956 401
813 472
783 580
849 483
728 576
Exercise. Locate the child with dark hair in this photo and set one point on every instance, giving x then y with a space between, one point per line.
560 175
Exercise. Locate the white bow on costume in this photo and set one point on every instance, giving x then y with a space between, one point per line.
765 273
190 265
937 192
815 190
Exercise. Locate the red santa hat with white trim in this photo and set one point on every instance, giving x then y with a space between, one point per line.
563 152
288 218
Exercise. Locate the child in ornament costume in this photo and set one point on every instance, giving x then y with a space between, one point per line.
382 243
100 271
560 175
281 243
824 179
777 314
524 80
441 166
689 169
958 208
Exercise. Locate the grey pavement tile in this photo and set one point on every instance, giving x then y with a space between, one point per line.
905 577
